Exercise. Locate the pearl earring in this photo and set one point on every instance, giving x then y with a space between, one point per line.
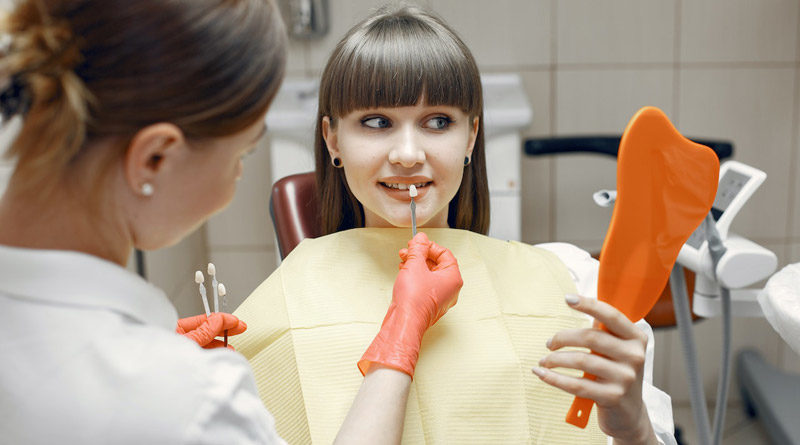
147 189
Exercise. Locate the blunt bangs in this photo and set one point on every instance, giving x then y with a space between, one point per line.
398 61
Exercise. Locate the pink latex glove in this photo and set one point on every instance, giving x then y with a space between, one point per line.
426 287
204 330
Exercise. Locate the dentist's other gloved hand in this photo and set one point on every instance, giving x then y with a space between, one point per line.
204 330
426 287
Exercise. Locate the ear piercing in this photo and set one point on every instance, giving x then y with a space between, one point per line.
147 189
467 160
337 162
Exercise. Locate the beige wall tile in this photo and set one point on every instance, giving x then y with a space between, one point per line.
794 253
297 57
246 221
501 33
603 101
753 108
536 205
795 184
753 333
172 267
597 102
538 86
343 15
628 31
242 271
738 31
577 217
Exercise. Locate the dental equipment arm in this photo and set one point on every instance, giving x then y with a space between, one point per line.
722 262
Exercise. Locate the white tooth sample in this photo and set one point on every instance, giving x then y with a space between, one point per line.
211 269
221 289
198 277
412 191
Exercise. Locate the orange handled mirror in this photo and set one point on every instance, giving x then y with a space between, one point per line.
666 185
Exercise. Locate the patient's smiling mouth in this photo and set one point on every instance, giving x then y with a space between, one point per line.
405 186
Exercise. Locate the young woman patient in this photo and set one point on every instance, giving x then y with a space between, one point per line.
400 105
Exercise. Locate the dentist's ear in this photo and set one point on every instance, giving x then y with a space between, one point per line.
473 136
152 150
329 135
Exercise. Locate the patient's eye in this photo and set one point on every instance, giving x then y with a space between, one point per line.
376 122
438 123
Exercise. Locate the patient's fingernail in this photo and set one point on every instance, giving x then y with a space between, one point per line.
549 342
572 299
538 371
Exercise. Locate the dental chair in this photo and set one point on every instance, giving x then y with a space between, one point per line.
294 212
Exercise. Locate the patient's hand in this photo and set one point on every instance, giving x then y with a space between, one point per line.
618 363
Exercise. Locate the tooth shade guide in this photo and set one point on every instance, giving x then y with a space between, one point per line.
412 191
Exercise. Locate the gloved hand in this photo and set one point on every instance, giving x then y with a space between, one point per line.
426 287
203 330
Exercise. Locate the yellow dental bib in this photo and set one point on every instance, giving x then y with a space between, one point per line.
311 320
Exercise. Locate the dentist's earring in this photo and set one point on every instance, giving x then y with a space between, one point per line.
467 160
337 162
147 189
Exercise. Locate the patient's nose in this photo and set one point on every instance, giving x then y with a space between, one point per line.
407 149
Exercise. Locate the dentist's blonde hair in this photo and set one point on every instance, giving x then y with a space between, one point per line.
394 58
80 71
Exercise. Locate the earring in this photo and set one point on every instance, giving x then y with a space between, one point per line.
147 189
467 160
337 162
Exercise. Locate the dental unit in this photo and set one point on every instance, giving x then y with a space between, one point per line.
724 264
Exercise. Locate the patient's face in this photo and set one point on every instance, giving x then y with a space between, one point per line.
384 150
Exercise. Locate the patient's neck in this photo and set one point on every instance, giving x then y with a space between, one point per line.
438 221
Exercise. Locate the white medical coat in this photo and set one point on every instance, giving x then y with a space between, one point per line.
90 356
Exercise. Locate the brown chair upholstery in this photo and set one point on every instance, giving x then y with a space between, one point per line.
294 212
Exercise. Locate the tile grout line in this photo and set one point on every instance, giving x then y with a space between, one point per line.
553 201
676 70
678 64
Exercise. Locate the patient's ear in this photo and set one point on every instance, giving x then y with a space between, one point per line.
473 135
329 135
153 150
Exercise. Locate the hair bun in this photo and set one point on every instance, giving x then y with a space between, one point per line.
40 48
15 98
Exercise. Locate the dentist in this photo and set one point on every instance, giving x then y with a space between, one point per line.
134 117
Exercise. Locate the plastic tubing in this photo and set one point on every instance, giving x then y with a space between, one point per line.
680 301
717 250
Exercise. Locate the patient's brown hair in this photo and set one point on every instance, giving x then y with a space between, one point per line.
393 59
79 71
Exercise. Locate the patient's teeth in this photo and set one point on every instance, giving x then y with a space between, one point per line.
402 186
